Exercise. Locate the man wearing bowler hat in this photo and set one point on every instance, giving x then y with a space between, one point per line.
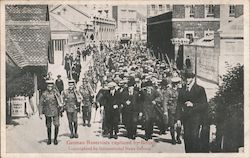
50 105
131 110
191 106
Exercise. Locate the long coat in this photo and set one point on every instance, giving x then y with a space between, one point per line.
148 107
192 117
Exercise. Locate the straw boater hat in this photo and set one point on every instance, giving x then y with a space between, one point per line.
111 84
49 81
71 81
176 79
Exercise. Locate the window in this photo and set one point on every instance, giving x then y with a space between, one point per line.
209 34
191 11
160 8
167 7
58 45
189 35
209 10
153 7
232 10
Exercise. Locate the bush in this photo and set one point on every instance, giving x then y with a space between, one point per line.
229 109
22 85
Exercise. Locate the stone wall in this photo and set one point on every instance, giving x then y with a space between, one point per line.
207 61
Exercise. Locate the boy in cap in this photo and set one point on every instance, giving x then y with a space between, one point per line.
59 84
50 105
71 100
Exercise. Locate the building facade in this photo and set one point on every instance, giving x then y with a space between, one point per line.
157 9
190 21
126 20
66 37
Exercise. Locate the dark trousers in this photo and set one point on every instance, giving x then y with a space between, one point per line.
149 125
86 113
191 134
112 121
130 119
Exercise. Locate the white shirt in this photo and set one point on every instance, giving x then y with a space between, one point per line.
189 87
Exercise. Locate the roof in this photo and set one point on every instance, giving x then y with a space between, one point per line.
234 28
27 34
26 12
58 23
28 45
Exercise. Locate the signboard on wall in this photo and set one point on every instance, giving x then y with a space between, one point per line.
18 106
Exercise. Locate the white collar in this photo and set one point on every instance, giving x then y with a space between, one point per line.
191 85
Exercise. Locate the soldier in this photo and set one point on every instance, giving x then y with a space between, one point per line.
87 95
131 110
71 100
50 105
171 107
150 97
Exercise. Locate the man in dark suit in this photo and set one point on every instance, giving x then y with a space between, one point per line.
112 111
131 110
191 106
150 98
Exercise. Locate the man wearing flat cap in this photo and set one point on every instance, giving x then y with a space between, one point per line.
192 105
112 111
72 99
50 105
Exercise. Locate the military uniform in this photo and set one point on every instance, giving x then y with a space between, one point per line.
50 103
171 106
86 93
71 105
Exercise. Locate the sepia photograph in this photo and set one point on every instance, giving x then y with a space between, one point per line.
97 78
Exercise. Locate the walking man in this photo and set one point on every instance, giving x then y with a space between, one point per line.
87 94
192 105
59 84
50 104
150 97
71 100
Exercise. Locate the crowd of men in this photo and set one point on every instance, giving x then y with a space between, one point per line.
136 89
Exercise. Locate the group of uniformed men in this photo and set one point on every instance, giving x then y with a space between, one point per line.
136 89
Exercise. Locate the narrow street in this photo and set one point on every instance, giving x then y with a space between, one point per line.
30 135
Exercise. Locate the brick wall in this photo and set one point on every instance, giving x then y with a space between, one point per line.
199 11
178 11
198 26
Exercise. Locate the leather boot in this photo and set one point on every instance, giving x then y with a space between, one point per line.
172 136
75 126
71 130
56 133
49 136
